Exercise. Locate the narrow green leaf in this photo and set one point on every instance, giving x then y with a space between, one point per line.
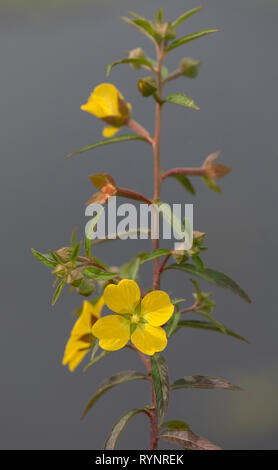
187 440
55 257
211 320
110 140
73 238
121 377
58 291
76 251
155 254
143 25
118 428
185 182
96 359
185 16
181 100
188 38
161 383
209 327
203 382
215 277
44 259
97 274
211 184
176 425
173 324
88 247
144 62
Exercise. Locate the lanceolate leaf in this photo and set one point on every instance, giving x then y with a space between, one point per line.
144 62
97 274
111 140
130 270
58 291
161 384
185 182
119 427
215 277
117 379
143 25
155 254
185 15
189 37
173 324
203 325
175 424
187 440
212 320
44 259
206 383
211 184
182 100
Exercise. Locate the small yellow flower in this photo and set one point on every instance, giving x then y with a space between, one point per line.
135 319
81 336
107 103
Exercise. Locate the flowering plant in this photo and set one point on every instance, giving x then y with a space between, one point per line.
138 320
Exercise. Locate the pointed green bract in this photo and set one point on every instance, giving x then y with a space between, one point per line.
185 16
143 25
185 182
44 259
58 291
188 38
110 140
161 384
182 100
121 377
211 184
119 426
215 277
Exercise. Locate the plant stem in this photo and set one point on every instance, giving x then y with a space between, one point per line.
184 171
135 126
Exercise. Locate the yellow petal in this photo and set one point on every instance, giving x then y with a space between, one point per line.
103 101
113 332
156 308
149 339
122 298
90 313
110 131
75 352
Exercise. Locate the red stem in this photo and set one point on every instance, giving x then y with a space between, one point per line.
135 126
132 195
184 171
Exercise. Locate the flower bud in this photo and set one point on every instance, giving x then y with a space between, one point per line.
137 53
64 253
215 170
189 67
60 271
74 278
147 86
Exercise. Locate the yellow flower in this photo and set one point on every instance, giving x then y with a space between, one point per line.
135 319
108 104
81 336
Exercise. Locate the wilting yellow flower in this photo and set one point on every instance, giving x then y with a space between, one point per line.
107 103
135 319
81 336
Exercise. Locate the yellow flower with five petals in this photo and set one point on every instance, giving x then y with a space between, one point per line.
135 319
81 336
107 103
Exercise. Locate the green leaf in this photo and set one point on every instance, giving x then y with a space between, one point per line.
175 424
121 377
75 252
173 324
73 238
130 270
181 100
211 184
144 62
96 359
188 38
185 182
143 25
203 382
209 327
118 428
185 16
58 291
97 274
44 259
161 384
215 277
177 301
55 257
187 440
212 320
88 247
110 140
155 254
120 236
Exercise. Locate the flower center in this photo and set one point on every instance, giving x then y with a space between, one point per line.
135 318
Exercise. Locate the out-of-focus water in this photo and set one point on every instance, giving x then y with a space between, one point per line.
52 55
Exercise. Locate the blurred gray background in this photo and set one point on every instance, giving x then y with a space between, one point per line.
52 54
